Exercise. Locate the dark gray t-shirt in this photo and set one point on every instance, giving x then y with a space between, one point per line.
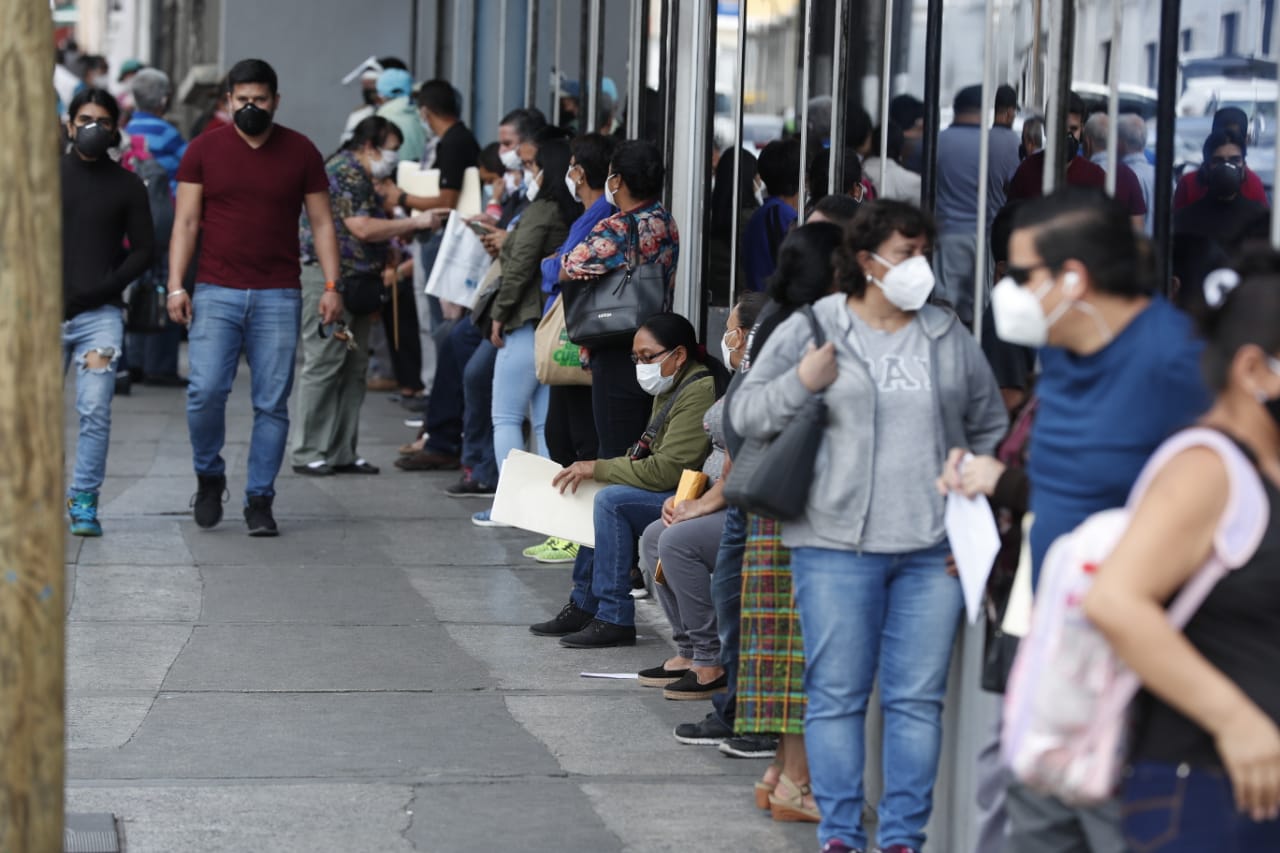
906 511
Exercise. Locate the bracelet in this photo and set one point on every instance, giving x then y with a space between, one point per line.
173 293
329 286
403 201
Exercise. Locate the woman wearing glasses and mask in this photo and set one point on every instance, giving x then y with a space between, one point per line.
102 206
903 383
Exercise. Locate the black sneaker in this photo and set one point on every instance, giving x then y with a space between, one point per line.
569 620
211 493
469 488
601 635
258 516
709 732
750 746
688 687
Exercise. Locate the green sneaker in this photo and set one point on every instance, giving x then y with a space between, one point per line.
534 551
562 552
83 509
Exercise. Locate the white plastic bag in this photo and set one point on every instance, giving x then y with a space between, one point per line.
460 265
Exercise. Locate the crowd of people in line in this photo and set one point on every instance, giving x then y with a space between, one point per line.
860 298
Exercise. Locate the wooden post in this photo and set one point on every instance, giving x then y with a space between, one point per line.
32 647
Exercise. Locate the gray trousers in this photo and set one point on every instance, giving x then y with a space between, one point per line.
331 384
688 553
1042 824
953 266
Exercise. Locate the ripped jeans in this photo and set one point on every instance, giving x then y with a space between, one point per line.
93 341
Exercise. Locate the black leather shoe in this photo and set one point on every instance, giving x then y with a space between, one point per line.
360 466
314 470
571 618
601 635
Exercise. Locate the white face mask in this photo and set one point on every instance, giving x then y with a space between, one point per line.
608 192
385 165
573 188
511 182
531 185
759 192
1016 310
908 284
510 160
726 351
651 379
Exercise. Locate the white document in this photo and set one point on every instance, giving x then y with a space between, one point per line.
526 499
413 179
621 676
1017 613
975 542
470 199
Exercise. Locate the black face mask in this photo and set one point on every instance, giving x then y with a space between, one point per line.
1225 180
92 140
1070 148
253 120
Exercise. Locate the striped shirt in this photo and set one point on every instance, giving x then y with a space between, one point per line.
164 142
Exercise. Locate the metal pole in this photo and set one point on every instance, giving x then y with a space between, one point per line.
32 608
1063 36
839 95
1113 96
1037 67
739 75
984 167
635 66
592 82
556 70
531 55
886 86
1275 45
502 57
932 97
807 24
1170 17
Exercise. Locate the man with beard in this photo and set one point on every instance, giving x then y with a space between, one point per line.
241 188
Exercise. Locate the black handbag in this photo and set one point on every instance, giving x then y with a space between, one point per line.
363 292
607 311
772 477
146 304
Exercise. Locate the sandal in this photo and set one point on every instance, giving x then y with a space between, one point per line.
786 803
764 790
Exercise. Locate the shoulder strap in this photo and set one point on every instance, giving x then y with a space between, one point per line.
819 337
1244 520
655 426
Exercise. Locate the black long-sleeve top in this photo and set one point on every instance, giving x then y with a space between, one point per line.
102 204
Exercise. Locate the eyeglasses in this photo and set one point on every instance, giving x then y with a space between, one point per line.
1022 275
1236 161
339 332
84 120
636 358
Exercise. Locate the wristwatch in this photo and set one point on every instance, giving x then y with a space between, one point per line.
403 201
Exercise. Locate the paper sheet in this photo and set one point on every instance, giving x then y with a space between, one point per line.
470 199
621 676
975 542
526 499
413 179
1017 613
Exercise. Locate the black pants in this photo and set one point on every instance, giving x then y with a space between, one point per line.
571 425
406 362
621 406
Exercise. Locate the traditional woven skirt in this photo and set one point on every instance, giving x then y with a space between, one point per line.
771 696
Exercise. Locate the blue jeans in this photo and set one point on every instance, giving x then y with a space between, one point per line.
99 331
516 389
445 406
477 415
602 578
861 613
726 595
264 324
1178 809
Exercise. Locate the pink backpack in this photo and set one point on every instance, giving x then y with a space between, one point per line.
1066 706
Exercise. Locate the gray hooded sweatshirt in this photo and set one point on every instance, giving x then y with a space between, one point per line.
973 415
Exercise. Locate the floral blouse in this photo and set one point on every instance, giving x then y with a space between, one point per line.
351 193
607 246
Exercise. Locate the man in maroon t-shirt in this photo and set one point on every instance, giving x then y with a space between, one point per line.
241 189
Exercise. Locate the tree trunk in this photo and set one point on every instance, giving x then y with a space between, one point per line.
32 647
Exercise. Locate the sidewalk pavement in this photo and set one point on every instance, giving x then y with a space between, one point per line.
365 682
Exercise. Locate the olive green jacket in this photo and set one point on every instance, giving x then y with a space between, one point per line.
539 233
681 442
